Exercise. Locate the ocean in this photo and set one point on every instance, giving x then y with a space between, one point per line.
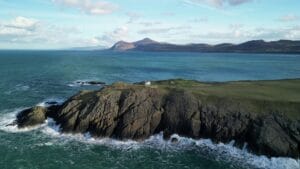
30 78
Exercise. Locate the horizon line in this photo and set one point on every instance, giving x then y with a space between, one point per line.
108 47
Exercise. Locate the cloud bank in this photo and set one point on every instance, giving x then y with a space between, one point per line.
289 18
218 3
109 38
93 7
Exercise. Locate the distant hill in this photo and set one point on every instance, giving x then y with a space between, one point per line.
255 46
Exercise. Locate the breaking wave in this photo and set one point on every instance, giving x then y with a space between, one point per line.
80 83
205 147
17 88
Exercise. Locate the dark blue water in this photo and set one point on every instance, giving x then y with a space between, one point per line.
31 77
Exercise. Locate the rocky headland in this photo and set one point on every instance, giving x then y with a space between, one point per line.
254 46
263 114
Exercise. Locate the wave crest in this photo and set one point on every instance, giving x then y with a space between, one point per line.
205 147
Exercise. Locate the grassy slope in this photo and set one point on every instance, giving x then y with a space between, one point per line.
256 96
277 90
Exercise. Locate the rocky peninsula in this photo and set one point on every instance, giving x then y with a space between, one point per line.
263 114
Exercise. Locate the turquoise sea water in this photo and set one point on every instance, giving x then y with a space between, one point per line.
32 77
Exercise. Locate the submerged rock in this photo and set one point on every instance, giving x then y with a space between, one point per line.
124 111
85 83
96 83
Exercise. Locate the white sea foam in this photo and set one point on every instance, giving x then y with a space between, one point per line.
79 83
21 87
54 130
205 147
7 119
221 151
17 88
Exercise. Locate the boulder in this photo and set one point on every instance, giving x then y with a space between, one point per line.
31 117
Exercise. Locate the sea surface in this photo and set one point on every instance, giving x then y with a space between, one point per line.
28 78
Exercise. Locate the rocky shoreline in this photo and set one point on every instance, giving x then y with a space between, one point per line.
137 111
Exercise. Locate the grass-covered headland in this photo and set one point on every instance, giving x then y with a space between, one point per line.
264 114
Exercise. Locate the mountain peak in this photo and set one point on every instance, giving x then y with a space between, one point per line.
145 41
122 46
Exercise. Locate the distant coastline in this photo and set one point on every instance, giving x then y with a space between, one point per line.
149 45
254 46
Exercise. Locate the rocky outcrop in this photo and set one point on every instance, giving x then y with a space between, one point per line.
31 117
136 112
273 134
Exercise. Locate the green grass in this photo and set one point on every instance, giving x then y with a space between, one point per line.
281 96
277 90
256 97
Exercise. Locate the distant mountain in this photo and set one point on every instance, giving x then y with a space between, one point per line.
123 46
255 46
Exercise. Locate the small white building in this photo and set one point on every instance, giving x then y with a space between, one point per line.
147 83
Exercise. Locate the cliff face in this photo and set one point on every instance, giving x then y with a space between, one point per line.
124 111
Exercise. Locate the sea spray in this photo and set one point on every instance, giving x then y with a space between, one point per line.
204 147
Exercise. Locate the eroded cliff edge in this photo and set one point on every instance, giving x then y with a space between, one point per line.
263 114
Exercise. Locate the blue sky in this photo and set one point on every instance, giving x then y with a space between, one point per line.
52 24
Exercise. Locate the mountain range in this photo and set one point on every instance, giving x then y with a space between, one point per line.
254 46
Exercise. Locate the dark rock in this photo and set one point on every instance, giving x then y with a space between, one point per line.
174 140
181 114
12 124
123 114
272 135
96 83
52 111
31 117
86 83
51 103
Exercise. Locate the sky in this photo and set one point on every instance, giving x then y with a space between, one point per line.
60 24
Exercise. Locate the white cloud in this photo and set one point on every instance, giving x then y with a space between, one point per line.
94 7
23 23
150 23
22 31
237 33
218 3
289 18
163 30
18 28
133 16
199 20
109 38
